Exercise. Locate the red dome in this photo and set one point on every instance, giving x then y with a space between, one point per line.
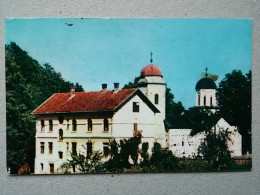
151 70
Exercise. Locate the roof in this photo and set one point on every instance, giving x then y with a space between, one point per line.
95 101
151 70
178 122
205 83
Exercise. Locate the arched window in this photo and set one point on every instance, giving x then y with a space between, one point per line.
204 100
50 125
42 125
74 125
89 125
105 124
156 98
199 100
211 100
60 134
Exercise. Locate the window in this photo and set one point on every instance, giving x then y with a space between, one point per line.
204 100
211 100
135 130
42 147
50 125
67 147
182 143
105 124
156 99
50 147
135 106
198 100
89 149
61 118
51 168
74 148
42 166
105 149
42 125
60 154
68 124
60 135
89 125
74 125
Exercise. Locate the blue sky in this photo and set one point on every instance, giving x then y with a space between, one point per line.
96 51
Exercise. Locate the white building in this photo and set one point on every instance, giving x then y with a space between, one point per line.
86 121
179 127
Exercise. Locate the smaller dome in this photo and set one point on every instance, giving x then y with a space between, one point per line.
205 83
151 70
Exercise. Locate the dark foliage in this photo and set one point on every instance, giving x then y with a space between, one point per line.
28 84
234 100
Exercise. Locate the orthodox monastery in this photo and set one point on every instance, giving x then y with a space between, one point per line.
86 121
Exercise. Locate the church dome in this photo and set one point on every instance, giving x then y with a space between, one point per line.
205 83
151 70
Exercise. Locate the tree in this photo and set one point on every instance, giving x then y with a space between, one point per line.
214 148
28 84
84 163
234 101
171 106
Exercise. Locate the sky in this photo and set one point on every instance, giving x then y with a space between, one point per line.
92 51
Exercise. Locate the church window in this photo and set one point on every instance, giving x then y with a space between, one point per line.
105 149
156 99
105 124
199 100
211 100
42 125
50 147
135 106
42 147
74 125
60 135
74 148
204 100
89 125
89 149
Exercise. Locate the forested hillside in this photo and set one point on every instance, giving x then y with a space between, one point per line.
28 84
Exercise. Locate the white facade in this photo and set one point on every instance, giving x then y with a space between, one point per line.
184 145
206 97
154 88
121 126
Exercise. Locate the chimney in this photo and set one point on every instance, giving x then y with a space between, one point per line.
72 91
116 87
104 87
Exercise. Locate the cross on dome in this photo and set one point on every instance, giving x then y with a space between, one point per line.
151 54
206 72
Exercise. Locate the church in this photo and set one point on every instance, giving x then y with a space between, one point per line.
79 122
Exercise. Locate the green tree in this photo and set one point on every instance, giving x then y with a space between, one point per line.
84 163
28 84
234 101
214 149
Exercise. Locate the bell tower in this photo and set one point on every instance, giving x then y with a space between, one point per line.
153 86
206 92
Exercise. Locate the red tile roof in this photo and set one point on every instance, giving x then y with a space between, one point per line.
84 102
